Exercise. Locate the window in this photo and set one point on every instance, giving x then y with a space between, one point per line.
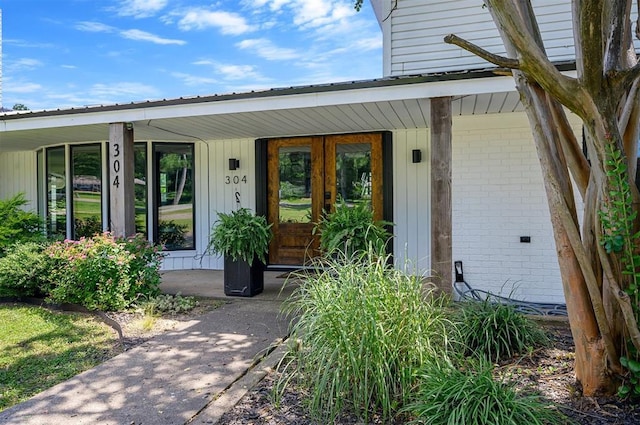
174 195
172 178
140 184
56 215
86 176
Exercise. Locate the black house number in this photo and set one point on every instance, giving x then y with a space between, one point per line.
235 179
116 165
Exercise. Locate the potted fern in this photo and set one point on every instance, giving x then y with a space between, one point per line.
243 239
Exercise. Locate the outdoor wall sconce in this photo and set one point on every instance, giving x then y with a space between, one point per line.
416 156
234 164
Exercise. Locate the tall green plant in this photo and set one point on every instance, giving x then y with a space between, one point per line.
619 238
25 271
470 395
363 329
351 229
495 331
16 224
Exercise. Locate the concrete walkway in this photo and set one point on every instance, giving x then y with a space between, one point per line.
191 374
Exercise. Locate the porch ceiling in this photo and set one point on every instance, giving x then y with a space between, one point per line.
191 123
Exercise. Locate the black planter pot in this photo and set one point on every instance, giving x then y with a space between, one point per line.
241 279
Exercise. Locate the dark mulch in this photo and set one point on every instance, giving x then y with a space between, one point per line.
549 370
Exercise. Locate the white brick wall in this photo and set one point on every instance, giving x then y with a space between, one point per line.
498 196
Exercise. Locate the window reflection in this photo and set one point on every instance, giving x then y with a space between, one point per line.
140 184
56 193
86 172
295 184
174 196
353 172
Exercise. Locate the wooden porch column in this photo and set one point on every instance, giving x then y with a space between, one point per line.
441 239
121 180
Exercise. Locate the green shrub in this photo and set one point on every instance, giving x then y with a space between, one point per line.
25 271
471 396
496 331
351 229
17 225
169 304
102 272
362 329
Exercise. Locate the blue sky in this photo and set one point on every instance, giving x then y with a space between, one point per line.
65 53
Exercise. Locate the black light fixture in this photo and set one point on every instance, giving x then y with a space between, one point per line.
416 156
234 164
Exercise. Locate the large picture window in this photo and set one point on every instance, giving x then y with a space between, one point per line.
86 175
174 205
73 204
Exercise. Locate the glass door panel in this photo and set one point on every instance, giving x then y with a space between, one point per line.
353 173
295 184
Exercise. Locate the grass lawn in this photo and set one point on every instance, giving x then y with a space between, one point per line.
40 348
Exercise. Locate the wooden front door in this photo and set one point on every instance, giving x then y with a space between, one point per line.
308 175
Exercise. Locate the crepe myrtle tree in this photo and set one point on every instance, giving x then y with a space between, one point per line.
599 256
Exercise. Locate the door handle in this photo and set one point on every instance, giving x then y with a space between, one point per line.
327 195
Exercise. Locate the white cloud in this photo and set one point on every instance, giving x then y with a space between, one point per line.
22 87
132 34
264 48
233 72
226 22
194 80
140 8
91 26
316 13
123 90
146 36
68 66
23 64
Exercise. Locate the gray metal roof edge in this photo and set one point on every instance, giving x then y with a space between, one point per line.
284 91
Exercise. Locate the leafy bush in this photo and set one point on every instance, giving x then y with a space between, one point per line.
352 229
363 328
17 225
471 396
25 271
496 331
104 273
240 235
171 304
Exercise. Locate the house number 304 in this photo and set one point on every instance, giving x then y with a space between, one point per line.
235 179
116 164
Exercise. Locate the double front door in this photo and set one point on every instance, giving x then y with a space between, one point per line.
309 175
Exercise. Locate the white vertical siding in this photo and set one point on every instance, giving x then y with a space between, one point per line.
18 174
411 194
498 196
214 194
418 27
